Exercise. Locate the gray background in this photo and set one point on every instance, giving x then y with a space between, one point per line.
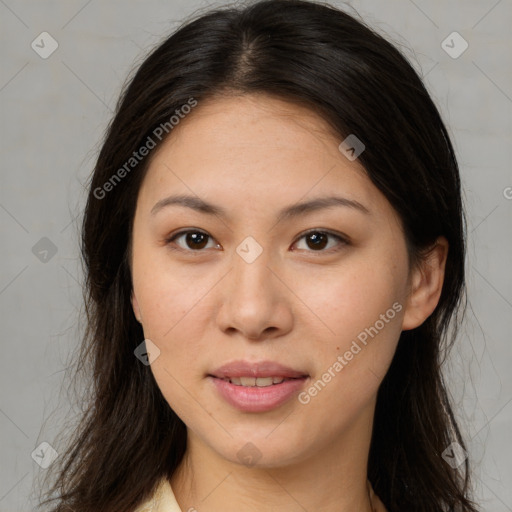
54 112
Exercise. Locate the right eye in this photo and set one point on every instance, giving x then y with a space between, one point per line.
193 239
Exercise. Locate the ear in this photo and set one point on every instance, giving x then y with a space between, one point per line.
426 284
135 306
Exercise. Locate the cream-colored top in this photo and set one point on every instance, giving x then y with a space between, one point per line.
164 500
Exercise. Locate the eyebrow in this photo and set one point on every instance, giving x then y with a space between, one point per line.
199 205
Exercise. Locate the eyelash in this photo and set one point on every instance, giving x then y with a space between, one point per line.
344 241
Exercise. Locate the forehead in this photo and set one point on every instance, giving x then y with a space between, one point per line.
253 147
247 126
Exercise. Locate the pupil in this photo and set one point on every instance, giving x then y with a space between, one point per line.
197 239
319 240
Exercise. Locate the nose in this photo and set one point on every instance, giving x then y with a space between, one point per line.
256 302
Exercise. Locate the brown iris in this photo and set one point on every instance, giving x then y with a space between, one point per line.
196 240
318 240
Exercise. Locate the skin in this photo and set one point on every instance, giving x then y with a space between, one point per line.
296 304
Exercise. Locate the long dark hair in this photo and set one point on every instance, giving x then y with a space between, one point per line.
314 54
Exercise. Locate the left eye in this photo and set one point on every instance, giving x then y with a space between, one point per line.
318 240
198 240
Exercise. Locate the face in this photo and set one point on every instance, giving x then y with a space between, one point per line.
241 272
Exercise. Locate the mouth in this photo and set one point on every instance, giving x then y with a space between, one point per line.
246 370
260 382
257 387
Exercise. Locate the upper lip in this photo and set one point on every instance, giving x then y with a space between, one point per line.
258 369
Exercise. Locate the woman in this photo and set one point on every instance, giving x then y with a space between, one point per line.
274 247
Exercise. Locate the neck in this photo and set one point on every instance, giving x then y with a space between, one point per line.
331 479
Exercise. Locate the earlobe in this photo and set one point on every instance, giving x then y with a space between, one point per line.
426 286
136 309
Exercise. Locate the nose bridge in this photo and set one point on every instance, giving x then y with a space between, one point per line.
252 302
251 275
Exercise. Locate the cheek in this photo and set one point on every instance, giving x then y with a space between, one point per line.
174 324
358 312
351 299
166 293
351 363
171 319
167 303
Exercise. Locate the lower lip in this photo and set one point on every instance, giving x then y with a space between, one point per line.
258 399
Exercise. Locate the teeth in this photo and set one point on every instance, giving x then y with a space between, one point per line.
260 382
248 381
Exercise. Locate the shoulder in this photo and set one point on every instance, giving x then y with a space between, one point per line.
163 500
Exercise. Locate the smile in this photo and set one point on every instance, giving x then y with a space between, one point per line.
260 382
